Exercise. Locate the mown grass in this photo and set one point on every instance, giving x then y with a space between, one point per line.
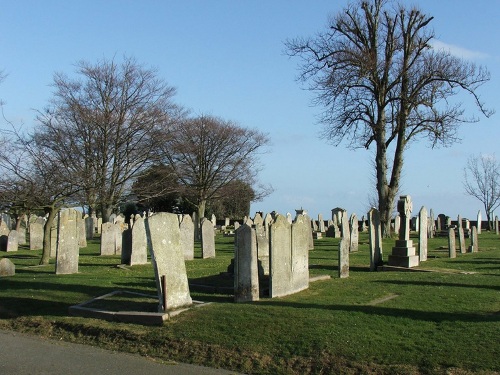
446 321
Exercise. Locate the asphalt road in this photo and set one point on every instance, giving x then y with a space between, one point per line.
22 354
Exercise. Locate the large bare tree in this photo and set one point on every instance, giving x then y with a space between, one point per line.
104 125
207 153
382 85
482 181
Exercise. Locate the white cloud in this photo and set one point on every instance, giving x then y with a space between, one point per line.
458 51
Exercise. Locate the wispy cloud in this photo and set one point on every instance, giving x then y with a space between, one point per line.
458 51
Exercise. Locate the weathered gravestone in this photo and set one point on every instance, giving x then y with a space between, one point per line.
354 235
246 277
207 239
288 256
375 235
310 238
186 227
452 250
164 239
67 242
126 252
7 268
461 236
89 228
109 238
21 234
36 235
262 243
422 234
397 223
343 258
496 225
479 221
12 241
474 246
403 254
321 224
139 253
431 225
344 225
82 231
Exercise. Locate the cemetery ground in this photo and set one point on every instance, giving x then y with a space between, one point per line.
441 322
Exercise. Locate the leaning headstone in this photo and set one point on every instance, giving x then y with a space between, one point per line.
36 235
343 258
186 227
67 242
246 277
479 221
452 250
422 234
207 239
7 268
168 261
403 254
354 235
375 235
474 247
12 241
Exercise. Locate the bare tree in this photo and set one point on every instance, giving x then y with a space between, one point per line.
383 85
482 181
208 153
104 126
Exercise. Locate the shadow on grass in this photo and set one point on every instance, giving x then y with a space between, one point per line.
437 284
417 315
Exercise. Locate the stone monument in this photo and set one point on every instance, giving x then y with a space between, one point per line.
404 254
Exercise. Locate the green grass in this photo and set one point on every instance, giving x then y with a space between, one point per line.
447 321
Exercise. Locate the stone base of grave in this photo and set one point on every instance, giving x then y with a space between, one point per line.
403 255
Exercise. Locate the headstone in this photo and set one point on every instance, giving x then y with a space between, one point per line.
36 235
139 253
474 246
496 225
343 258
431 225
422 234
82 232
397 223
375 235
441 222
403 254
126 252
53 241
262 243
168 261
479 222
354 235
268 219
21 235
310 238
214 220
280 258
4 239
99 225
258 219
321 224
109 233
451 243
289 217
301 244
67 242
12 241
112 218
89 228
226 221
7 268
236 225
364 227
207 239
461 236
186 227
246 277
344 225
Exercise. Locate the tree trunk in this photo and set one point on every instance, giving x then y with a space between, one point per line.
46 235
384 205
106 211
202 203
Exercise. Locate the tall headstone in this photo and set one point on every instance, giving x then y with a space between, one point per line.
126 252
207 239
461 236
186 227
479 221
109 233
262 243
82 232
168 261
67 242
280 258
354 235
474 246
496 225
343 258
301 244
375 235
422 234
12 241
89 228
310 238
36 235
403 254
344 226
451 243
432 225
246 277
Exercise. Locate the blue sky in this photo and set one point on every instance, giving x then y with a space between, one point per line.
225 57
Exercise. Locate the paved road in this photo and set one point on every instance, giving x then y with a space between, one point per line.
21 354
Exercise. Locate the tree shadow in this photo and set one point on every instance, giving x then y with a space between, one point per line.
436 284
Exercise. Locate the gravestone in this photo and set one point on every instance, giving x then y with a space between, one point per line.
262 243
53 241
289 217
126 252
479 221
403 254
474 246
167 257
354 235
452 250
321 224
280 258
496 225
431 225
67 242
246 277
36 235
89 228
99 225
7 268
21 235
344 226
375 236
343 258
186 227
301 244
422 234
109 233
82 231
268 219
227 221
258 219
139 253
207 239
236 225
112 218
310 238
12 241
214 220
4 239
397 223
364 227
461 236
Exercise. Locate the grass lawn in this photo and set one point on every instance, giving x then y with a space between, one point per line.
441 322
